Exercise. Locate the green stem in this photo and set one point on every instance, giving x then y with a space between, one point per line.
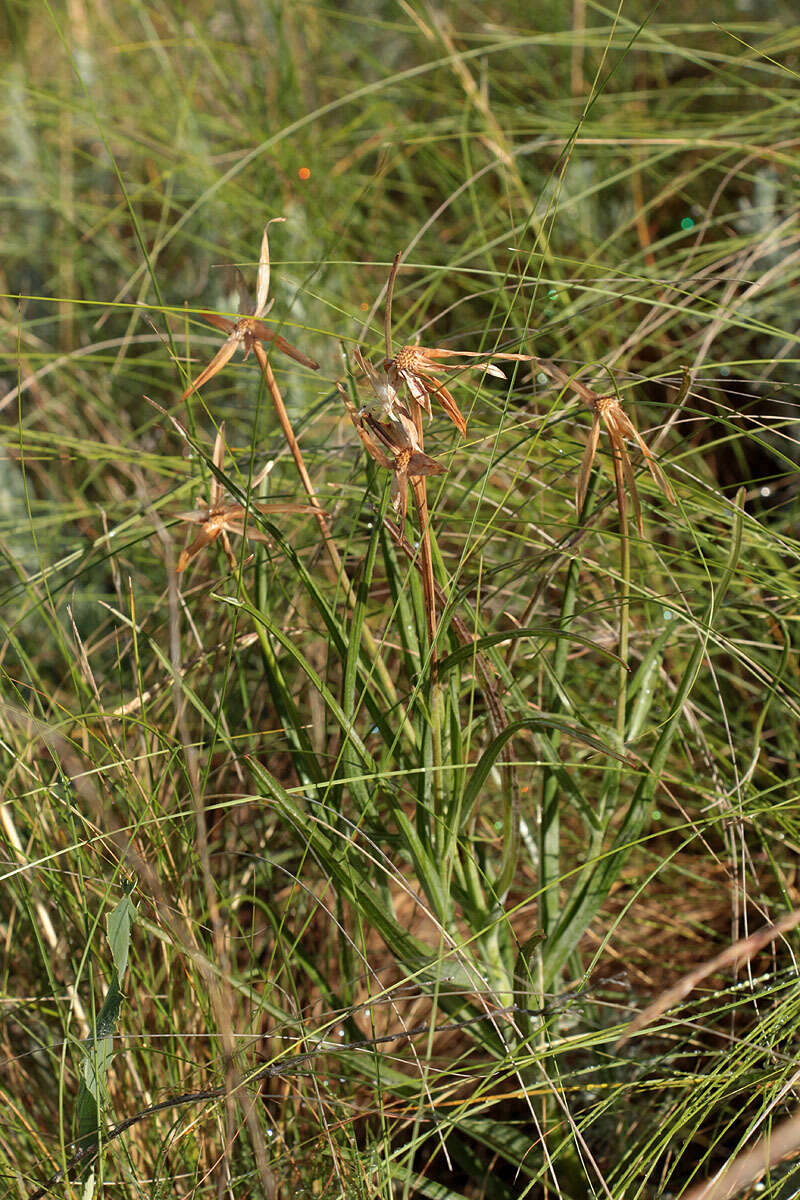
440 838
624 622
549 826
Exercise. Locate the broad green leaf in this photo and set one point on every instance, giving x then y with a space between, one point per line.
119 922
94 1068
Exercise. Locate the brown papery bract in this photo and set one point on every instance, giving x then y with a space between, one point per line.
249 329
217 520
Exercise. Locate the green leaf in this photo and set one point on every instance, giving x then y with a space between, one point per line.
543 632
118 927
546 721
296 655
94 1068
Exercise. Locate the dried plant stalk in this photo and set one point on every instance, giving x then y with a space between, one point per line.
740 952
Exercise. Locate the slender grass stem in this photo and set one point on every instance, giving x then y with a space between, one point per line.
373 646
624 593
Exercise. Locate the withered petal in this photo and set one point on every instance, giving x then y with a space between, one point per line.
222 323
262 331
262 286
449 405
223 356
422 464
586 464
204 538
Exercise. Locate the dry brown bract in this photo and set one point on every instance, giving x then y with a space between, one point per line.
416 367
607 410
249 331
393 442
217 520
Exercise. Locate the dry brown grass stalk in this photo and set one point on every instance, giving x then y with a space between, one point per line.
770 1149
740 952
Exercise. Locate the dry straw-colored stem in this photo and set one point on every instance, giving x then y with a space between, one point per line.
387 320
292 443
740 952
780 1143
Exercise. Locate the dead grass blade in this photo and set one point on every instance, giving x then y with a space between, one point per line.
769 1150
739 952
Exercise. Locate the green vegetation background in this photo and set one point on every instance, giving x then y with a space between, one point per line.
253 759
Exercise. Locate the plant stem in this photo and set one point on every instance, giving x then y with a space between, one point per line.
373 647
549 838
624 614
436 696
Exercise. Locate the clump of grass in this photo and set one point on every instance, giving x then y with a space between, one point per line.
418 818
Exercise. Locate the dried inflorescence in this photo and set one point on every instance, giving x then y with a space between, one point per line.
392 442
417 367
607 411
249 331
217 520
390 426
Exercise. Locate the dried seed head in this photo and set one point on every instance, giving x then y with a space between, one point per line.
393 442
607 411
408 358
248 331
217 520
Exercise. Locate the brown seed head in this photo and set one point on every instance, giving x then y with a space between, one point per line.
408 358
605 404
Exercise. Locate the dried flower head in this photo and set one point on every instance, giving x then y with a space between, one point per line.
607 410
417 367
386 399
217 520
393 442
249 331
